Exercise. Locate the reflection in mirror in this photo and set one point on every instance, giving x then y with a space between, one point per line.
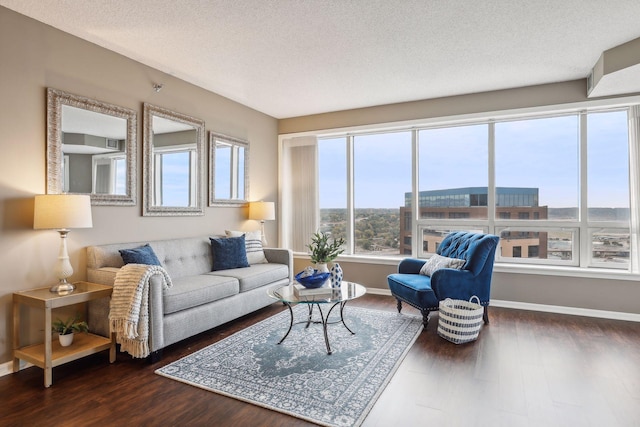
228 170
173 159
91 147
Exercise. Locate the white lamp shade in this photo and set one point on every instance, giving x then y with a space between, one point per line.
262 211
62 211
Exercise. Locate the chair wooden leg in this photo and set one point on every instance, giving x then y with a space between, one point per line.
425 318
485 315
399 305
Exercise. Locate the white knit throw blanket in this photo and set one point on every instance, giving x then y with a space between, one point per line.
129 310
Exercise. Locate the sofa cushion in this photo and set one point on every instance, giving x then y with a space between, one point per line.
253 245
229 253
256 275
436 262
191 291
142 255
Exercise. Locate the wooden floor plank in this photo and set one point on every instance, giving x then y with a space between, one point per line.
526 369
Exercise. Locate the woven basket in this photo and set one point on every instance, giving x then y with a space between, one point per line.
460 321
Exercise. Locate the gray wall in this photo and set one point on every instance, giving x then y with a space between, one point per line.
33 57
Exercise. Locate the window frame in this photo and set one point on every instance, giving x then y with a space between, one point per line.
583 248
158 152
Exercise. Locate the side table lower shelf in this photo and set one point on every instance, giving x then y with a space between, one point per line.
83 345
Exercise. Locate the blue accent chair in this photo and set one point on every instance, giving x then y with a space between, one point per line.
425 293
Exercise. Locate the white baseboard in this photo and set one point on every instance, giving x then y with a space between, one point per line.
574 311
7 368
602 314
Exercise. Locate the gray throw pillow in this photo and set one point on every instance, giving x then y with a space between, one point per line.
437 262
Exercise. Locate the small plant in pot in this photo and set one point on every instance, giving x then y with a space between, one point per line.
324 251
66 329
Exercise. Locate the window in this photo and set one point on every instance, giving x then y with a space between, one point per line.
381 175
539 157
466 149
175 185
458 215
109 174
332 157
228 156
554 188
608 188
608 166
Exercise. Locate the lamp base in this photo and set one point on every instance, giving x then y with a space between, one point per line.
63 287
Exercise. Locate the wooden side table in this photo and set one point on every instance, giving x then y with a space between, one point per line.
50 354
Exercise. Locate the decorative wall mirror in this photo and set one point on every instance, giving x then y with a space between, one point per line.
173 163
228 170
91 149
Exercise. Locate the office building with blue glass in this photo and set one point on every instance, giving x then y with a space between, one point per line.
521 203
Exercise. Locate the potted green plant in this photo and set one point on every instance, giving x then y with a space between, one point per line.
66 329
324 251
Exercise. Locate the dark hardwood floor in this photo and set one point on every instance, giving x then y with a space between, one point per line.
526 369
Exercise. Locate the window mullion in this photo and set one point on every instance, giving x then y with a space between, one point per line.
491 179
583 243
415 199
350 228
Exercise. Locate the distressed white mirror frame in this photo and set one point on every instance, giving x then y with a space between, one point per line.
55 157
149 208
235 174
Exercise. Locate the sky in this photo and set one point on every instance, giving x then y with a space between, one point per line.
541 153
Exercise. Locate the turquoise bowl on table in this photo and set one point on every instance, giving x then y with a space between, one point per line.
314 281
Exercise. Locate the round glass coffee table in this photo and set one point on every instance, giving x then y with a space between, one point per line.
337 297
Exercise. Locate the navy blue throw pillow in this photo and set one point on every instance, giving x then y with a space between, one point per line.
228 252
142 255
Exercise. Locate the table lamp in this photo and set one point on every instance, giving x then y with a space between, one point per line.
62 212
261 211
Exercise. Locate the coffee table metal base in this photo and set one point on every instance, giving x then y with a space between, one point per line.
324 320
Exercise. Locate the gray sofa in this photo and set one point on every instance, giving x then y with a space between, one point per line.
200 299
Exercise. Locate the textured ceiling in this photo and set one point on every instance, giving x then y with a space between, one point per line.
289 58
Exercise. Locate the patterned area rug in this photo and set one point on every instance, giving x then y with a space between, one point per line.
298 377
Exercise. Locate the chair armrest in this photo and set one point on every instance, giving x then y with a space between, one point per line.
411 265
459 284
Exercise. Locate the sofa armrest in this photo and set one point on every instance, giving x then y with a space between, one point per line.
156 313
280 256
103 275
411 265
99 309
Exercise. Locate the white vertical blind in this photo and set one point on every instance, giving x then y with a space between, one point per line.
299 192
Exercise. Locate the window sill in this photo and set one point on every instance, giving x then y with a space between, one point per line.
542 270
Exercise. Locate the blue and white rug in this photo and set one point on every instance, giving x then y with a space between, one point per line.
298 377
